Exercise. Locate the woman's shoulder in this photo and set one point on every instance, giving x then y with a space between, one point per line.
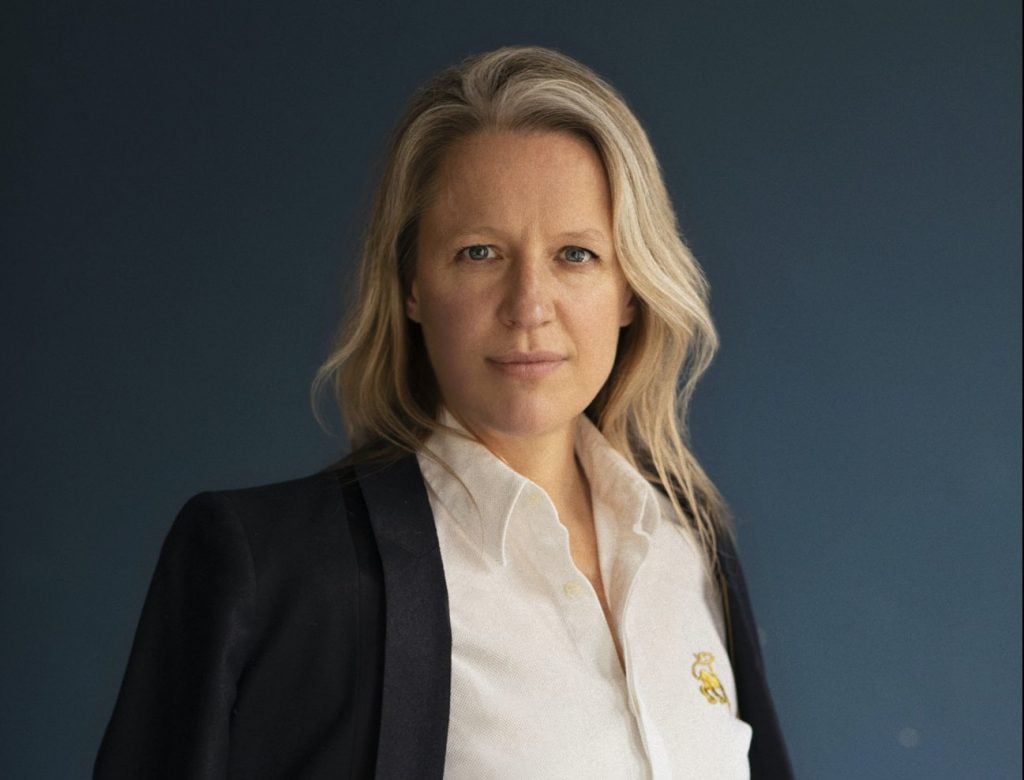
320 491
322 516
280 523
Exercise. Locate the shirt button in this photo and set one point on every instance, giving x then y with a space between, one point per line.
532 499
572 589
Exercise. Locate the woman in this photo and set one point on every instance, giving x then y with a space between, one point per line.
521 571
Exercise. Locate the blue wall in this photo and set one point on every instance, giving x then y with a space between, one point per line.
182 195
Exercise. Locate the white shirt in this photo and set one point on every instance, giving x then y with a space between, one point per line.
537 690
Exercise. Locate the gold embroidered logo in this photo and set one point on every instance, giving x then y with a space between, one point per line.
710 685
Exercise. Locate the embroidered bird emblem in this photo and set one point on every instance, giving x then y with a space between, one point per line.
710 686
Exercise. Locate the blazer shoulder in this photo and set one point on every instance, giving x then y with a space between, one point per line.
263 599
289 519
282 493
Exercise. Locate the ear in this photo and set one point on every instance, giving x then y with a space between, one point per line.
629 310
412 303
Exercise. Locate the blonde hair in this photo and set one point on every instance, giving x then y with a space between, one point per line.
382 381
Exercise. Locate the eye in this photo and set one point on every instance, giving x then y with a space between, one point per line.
577 255
476 252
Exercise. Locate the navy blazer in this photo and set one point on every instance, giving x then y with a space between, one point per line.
301 630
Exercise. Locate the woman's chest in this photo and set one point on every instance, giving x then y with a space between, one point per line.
534 657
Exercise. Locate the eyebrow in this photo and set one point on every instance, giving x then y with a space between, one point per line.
588 234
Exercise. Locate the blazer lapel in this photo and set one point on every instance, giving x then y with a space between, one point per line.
418 640
417 635
768 756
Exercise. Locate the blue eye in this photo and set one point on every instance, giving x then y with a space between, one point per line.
577 255
574 255
476 251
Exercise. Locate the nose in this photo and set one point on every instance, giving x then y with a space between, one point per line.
527 301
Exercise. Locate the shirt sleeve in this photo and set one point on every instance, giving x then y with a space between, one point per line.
172 715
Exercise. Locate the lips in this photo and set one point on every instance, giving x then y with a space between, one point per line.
512 358
527 365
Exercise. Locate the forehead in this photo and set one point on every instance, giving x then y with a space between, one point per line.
519 181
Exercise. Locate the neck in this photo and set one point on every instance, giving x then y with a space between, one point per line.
546 459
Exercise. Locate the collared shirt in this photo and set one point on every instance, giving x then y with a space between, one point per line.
537 689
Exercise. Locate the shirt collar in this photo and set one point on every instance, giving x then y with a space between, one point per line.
484 492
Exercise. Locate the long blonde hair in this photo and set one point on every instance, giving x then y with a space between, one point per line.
382 382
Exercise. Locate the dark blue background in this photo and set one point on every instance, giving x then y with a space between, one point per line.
183 190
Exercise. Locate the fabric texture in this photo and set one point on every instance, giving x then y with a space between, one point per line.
301 630
537 686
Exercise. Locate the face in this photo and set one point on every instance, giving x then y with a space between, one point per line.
516 285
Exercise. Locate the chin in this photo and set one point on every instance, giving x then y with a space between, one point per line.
527 417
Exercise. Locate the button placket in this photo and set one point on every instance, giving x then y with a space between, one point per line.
547 546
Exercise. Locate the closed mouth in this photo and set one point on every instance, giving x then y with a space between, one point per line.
525 358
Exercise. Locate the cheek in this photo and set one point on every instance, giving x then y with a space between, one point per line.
595 333
451 328
602 345
452 316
